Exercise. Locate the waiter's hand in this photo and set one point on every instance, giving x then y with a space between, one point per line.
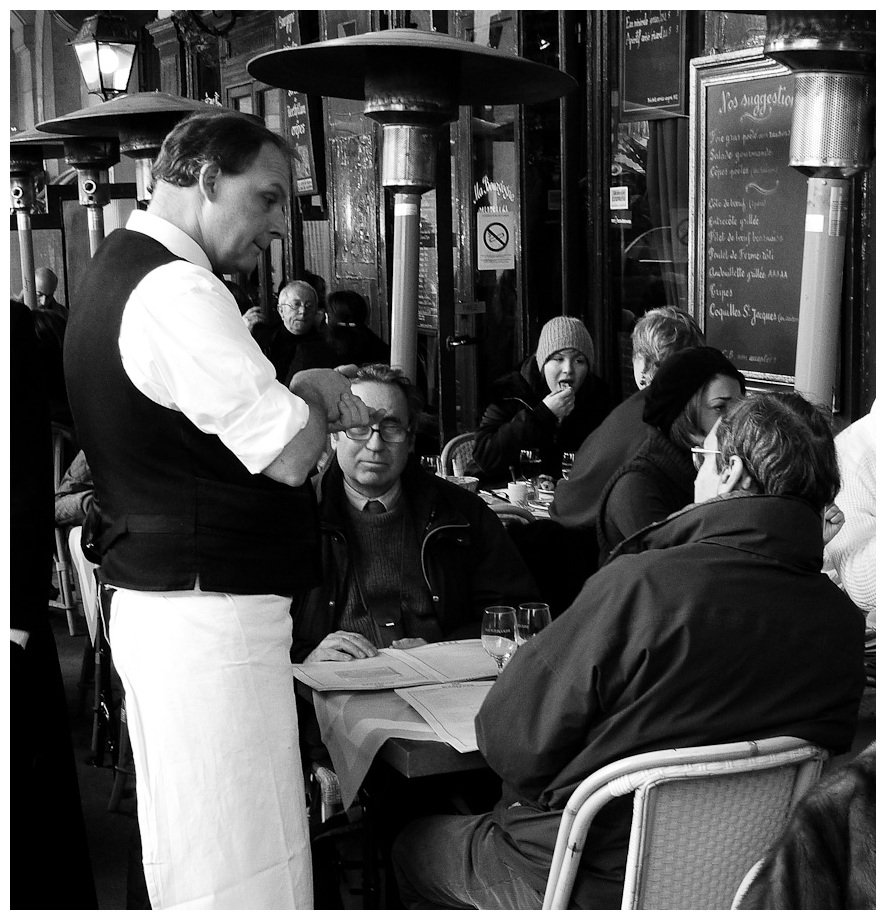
332 391
832 520
342 646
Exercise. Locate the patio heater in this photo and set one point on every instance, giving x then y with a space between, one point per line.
27 151
138 121
412 82
832 56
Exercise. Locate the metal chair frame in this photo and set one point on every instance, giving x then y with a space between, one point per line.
512 514
644 774
460 448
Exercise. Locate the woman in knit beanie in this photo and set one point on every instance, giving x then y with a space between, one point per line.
690 392
549 404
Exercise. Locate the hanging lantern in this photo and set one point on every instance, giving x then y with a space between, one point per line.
105 49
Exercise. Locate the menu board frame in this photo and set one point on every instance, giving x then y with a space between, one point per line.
733 71
653 62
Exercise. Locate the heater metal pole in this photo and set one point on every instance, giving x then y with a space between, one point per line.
26 247
818 332
404 283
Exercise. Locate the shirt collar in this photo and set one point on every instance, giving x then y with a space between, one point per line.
359 501
174 239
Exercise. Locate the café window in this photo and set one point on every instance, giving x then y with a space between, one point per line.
649 187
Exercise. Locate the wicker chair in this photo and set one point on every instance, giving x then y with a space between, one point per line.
456 453
702 817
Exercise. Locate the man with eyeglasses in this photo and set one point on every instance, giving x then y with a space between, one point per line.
294 343
407 557
714 625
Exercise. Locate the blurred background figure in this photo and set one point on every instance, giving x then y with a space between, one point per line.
691 391
549 404
318 283
291 341
658 334
850 558
46 284
348 334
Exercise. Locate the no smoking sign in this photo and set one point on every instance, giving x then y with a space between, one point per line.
495 241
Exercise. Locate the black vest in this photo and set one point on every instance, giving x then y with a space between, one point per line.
175 503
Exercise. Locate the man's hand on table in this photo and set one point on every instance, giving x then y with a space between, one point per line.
342 646
408 643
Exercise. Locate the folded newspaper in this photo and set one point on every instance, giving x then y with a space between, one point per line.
436 663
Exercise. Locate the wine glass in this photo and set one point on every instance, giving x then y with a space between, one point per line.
497 634
531 619
567 464
431 464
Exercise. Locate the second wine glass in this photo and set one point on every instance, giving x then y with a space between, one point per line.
531 620
498 634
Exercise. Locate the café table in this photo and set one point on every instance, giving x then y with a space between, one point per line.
359 725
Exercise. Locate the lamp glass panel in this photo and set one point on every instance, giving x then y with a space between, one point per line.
87 55
115 61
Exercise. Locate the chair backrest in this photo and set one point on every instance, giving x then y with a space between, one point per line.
62 438
456 453
702 817
512 514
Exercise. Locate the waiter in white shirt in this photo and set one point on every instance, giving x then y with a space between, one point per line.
207 527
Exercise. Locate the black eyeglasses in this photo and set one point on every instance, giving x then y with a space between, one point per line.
390 434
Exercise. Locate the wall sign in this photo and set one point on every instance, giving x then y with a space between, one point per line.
746 241
652 67
296 118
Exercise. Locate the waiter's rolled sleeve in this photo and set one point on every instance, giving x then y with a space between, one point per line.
184 345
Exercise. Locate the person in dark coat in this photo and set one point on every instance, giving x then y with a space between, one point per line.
714 626
550 404
658 334
691 390
49 864
294 344
348 334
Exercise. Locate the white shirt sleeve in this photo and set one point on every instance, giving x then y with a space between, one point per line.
184 345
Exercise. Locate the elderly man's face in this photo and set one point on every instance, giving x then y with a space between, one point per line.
244 213
297 307
374 465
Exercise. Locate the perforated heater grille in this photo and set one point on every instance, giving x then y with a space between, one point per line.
831 124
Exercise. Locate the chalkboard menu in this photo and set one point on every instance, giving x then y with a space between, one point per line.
747 239
652 72
296 118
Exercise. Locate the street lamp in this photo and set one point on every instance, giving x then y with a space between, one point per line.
105 49
412 82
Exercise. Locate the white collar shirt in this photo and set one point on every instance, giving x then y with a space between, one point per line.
184 345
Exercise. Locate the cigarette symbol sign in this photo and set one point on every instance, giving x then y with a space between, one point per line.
495 241
496 237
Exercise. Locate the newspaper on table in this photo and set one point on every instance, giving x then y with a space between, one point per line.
435 663
450 710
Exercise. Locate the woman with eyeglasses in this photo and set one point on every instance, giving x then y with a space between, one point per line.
690 392
293 343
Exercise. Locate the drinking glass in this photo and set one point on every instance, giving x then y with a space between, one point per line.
498 634
431 464
531 619
530 464
568 463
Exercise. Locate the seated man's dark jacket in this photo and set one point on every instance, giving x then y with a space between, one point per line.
467 558
713 626
292 353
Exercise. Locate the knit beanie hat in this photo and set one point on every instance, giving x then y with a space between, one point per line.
679 378
564 332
